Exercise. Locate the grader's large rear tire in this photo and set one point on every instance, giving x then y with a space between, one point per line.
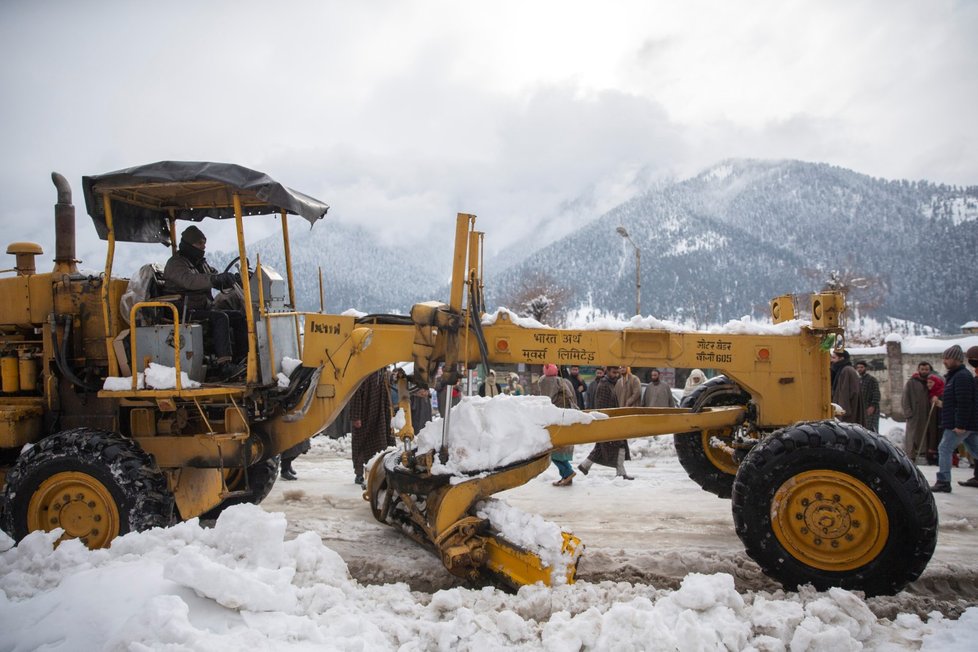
95 485
706 454
261 478
833 504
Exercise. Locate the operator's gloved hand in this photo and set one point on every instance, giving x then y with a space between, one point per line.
223 281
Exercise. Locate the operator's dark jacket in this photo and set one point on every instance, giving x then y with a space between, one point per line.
192 280
958 400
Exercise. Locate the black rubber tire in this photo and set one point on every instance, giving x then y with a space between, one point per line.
137 487
717 391
841 449
261 479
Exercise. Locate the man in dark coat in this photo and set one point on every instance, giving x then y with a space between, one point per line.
580 387
957 416
370 416
870 391
188 275
608 453
917 410
847 388
972 356
592 388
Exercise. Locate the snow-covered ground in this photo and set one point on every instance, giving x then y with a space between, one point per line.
311 569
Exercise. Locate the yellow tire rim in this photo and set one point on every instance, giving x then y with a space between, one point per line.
718 447
829 520
79 504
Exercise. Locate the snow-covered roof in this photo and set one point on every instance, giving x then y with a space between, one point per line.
919 345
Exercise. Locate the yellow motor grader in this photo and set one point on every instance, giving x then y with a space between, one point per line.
814 500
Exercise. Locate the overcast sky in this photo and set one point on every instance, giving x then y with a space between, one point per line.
400 114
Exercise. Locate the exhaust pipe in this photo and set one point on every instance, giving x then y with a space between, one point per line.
64 228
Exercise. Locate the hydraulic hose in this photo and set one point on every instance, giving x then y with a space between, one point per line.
61 357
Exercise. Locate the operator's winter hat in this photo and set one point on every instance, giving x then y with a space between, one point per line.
549 370
192 235
954 353
492 373
972 355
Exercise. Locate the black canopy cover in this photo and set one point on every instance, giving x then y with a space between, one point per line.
143 198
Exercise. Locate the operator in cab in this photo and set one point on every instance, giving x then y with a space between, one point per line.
188 275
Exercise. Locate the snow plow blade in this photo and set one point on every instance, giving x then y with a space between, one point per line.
441 515
519 567
442 511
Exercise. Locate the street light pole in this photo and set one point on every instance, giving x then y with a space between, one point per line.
638 269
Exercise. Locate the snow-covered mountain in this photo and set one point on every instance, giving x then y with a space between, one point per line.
714 247
357 272
721 244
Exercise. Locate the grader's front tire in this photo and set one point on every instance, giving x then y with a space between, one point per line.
707 455
93 484
832 504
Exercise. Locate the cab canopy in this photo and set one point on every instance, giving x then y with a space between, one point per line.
144 199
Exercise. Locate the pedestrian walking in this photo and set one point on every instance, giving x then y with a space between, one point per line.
916 405
608 453
957 416
561 393
370 416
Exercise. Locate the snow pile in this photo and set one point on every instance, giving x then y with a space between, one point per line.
530 532
122 384
398 421
157 376
743 326
288 366
353 312
487 433
523 322
241 585
162 377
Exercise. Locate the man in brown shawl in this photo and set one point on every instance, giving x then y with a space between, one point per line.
917 411
608 453
847 388
370 416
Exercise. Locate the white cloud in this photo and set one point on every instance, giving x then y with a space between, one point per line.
533 115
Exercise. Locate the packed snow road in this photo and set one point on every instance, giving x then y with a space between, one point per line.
653 531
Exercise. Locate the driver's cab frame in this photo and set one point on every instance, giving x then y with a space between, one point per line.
146 208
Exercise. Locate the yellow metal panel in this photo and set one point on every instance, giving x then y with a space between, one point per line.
623 423
42 298
15 299
142 422
198 450
196 490
19 425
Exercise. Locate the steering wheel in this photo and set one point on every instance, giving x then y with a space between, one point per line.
236 265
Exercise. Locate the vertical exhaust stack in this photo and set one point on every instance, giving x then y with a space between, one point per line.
64 228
